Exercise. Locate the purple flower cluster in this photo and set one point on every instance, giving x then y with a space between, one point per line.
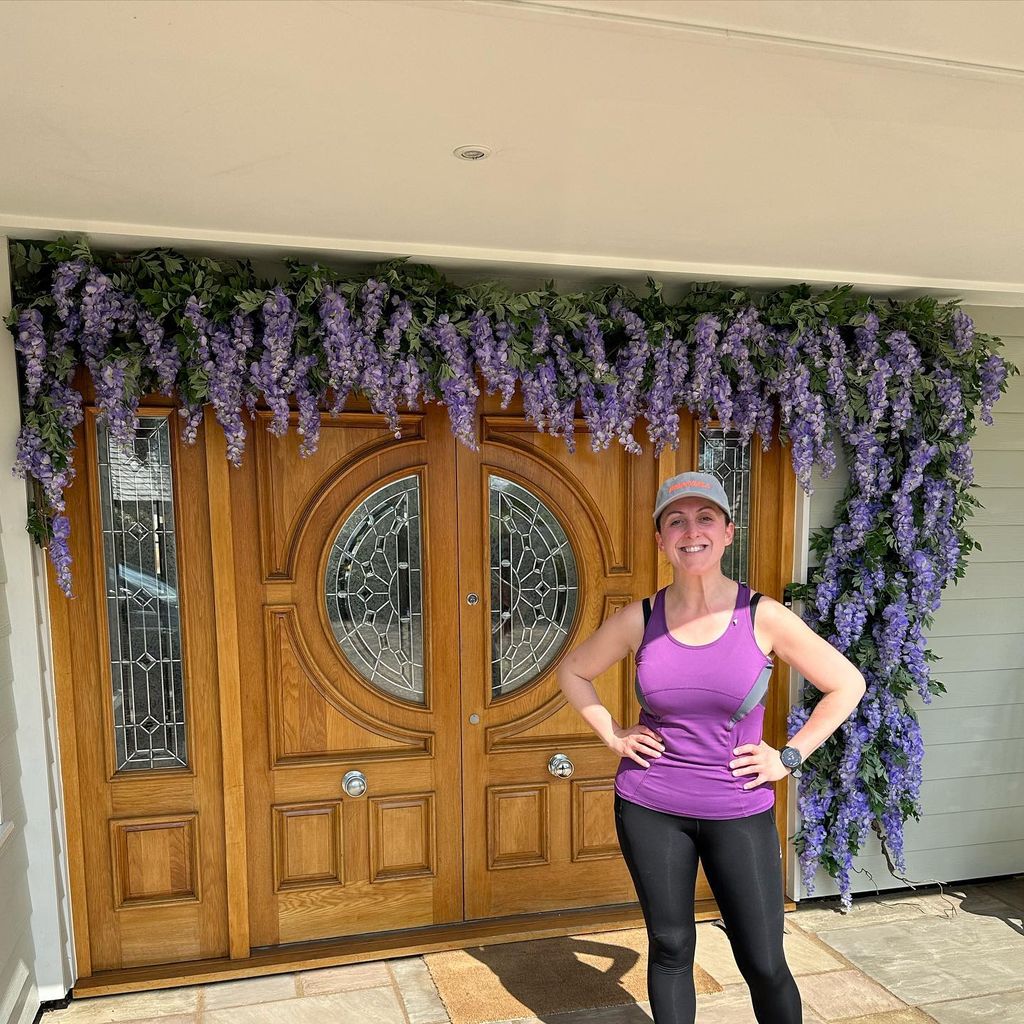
963 332
164 359
491 352
30 344
950 400
992 374
273 373
905 358
223 354
457 380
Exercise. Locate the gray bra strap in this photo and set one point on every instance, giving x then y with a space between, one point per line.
758 695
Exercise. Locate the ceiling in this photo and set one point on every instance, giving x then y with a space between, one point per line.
878 143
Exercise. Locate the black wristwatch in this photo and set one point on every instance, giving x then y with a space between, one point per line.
791 757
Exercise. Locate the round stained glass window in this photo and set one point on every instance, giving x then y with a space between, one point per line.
534 586
374 590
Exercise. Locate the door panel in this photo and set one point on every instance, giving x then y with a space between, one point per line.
535 842
138 702
345 678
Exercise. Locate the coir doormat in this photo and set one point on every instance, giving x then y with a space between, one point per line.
529 979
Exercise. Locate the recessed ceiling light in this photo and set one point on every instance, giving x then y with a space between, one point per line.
471 152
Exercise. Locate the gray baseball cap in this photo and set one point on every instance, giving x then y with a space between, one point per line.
691 485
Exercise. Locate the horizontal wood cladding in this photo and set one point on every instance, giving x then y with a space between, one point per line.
155 860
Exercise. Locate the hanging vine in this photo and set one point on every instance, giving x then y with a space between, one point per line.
899 387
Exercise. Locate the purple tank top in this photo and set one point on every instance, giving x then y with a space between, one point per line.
703 701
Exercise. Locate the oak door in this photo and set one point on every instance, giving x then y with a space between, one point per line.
136 669
347 608
551 543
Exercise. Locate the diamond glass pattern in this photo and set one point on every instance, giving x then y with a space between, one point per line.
140 562
533 586
374 590
724 454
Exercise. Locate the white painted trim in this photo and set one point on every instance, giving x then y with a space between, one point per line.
33 692
110 235
801 560
51 993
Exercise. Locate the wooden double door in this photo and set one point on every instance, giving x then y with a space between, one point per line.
402 606
360 728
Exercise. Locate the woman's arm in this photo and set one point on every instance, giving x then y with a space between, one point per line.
823 667
609 643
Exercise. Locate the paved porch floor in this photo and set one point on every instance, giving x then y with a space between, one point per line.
900 958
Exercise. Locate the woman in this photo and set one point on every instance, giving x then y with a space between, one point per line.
694 780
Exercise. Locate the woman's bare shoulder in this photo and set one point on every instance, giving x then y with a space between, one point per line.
618 636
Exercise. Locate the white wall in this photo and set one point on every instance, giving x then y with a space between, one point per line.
34 943
972 795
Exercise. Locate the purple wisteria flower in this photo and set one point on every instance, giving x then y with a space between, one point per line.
963 332
273 373
65 279
457 380
490 350
30 344
992 373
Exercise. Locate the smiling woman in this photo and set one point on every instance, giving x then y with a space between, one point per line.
693 781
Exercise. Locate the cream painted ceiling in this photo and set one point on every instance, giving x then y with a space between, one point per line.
877 143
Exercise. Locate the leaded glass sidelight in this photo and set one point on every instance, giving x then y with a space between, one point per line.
534 586
374 590
727 456
141 570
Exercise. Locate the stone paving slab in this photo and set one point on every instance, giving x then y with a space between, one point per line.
365 1006
248 991
418 992
134 1006
959 958
343 979
910 1016
1005 1007
892 907
843 994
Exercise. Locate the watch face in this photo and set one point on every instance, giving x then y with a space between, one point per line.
790 757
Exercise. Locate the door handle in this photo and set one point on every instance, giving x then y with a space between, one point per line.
560 766
354 783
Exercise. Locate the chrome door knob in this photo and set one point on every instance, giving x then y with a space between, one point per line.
560 766
354 783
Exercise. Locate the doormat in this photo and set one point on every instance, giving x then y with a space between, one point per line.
529 979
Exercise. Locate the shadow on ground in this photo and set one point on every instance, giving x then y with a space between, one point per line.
544 989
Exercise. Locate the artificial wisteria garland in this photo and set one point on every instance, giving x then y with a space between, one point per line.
899 386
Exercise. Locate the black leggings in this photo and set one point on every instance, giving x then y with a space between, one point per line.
741 859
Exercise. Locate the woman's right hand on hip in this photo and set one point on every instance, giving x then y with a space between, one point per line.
636 743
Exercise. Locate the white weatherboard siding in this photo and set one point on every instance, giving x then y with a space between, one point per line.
34 956
972 796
